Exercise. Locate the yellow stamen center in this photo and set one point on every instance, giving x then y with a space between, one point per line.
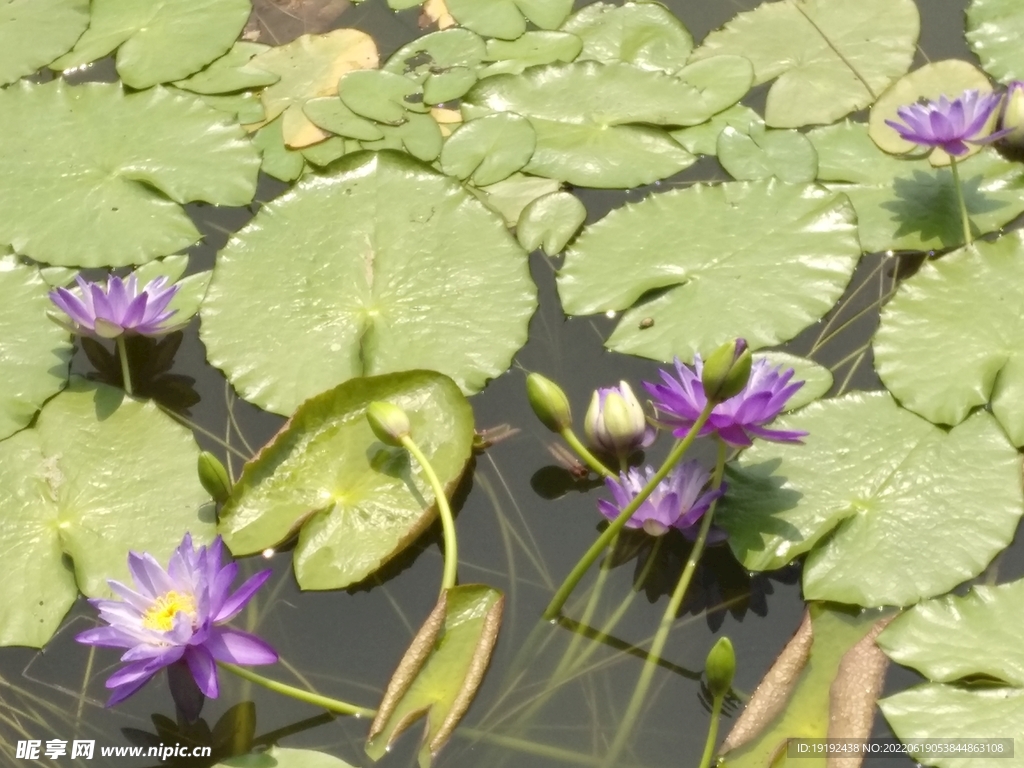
161 615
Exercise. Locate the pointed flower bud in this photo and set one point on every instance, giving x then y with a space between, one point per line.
726 371
213 477
549 402
388 422
720 667
615 422
1013 113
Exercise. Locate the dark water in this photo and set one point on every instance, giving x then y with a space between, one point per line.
512 536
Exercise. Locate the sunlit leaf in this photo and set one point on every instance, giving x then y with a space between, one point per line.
158 42
963 307
822 685
278 160
530 50
952 641
817 380
935 79
758 153
406 270
551 221
308 67
773 285
703 139
489 149
92 176
231 72
331 114
244 108
644 34
433 59
419 136
380 95
912 510
99 474
506 19
36 351
280 757
354 502
510 197
994 32
827 57
441 670
35 32
905 204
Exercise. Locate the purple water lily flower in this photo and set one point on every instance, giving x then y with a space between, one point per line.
949 125
679 401
177 615
117 308
676 502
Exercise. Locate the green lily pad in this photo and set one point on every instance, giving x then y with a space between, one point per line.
432 55
191 289
158 42
331 114
326 152
905 204
116 166
510 197
448 86
963 307
354 502
310 67
725 283
550 221
99 474
940 78
830 57
232 72
506 19
954 641
816 378
35 32
703 139
277 159
419 136
280 757
36 352
530 50
912 510
645 34
758 153
994 30
244 108
441 670
489 149
380 95
406 270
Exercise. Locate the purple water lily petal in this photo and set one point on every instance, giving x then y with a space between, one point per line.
675 502
118 307
204 670
237 601
950 124
239 647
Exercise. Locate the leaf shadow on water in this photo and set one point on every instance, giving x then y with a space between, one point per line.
926 204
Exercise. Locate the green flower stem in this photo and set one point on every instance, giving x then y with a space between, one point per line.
677 453
451 548
126 372
625 728
332 705
964 218
709 745
588 458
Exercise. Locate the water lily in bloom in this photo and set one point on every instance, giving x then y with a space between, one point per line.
176 615
680 400
117 308
950 125
679 501
615 421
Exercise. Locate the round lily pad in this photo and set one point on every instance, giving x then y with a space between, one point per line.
724 283
391 266
891 508
644 34
550 221
35 32
827 57
231 73
158 42
357 501
116 166
532 49
758 153
489 149
963 307
506 19
100 474
994 31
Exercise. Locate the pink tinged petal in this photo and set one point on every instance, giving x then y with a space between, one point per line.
204 670
239 647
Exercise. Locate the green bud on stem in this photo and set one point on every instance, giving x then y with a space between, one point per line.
213 477
726 371
549 403
388 422
720 667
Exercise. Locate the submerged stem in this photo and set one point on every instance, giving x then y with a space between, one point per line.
609 533
332 705
126 373
964 218
451 551
588 458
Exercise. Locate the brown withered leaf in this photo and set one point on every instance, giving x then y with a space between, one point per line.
280 21
436 11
